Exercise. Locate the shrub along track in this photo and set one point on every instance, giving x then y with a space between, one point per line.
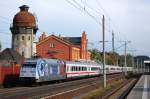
65 90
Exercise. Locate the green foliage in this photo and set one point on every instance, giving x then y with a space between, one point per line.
111 58
96 55
129 60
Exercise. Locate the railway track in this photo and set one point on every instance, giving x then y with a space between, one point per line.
121 92
52 90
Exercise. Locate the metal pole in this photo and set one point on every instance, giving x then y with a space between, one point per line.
137 65
113 47
32 43
133 61
125 58
141 67
104 71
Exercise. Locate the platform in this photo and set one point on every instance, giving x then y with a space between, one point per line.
142 89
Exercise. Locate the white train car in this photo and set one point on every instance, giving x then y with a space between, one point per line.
110 69
77 69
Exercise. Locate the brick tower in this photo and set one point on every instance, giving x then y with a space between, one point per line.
23 31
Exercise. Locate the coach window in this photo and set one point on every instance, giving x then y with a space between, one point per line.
85 69
67 68
76 68
112 68
73 68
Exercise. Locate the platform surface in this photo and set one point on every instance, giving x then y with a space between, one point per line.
142 89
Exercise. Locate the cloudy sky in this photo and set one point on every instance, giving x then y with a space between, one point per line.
129 19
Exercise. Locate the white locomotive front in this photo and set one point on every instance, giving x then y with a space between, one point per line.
40 70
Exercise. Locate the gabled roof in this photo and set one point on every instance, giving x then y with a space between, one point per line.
10 55
55 37
73 40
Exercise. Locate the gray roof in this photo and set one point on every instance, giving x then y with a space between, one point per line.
11 56
73 40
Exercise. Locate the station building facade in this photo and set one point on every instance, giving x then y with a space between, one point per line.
65 48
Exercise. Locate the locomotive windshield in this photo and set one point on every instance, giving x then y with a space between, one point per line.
28 70
29 65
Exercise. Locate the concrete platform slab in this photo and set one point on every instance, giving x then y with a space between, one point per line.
141 89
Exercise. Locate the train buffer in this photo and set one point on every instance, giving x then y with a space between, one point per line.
142 89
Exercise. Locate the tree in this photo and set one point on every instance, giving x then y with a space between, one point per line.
96 55
111 58
129 60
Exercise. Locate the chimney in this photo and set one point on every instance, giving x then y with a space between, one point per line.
42 37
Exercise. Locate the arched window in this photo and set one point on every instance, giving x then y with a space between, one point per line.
17 37
28 37
23 53
22 37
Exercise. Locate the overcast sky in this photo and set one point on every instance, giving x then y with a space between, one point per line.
129 19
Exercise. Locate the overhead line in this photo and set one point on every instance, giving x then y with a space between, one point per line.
92 9
5 18
81 8
101 7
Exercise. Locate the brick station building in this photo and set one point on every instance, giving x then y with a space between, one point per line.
65 48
